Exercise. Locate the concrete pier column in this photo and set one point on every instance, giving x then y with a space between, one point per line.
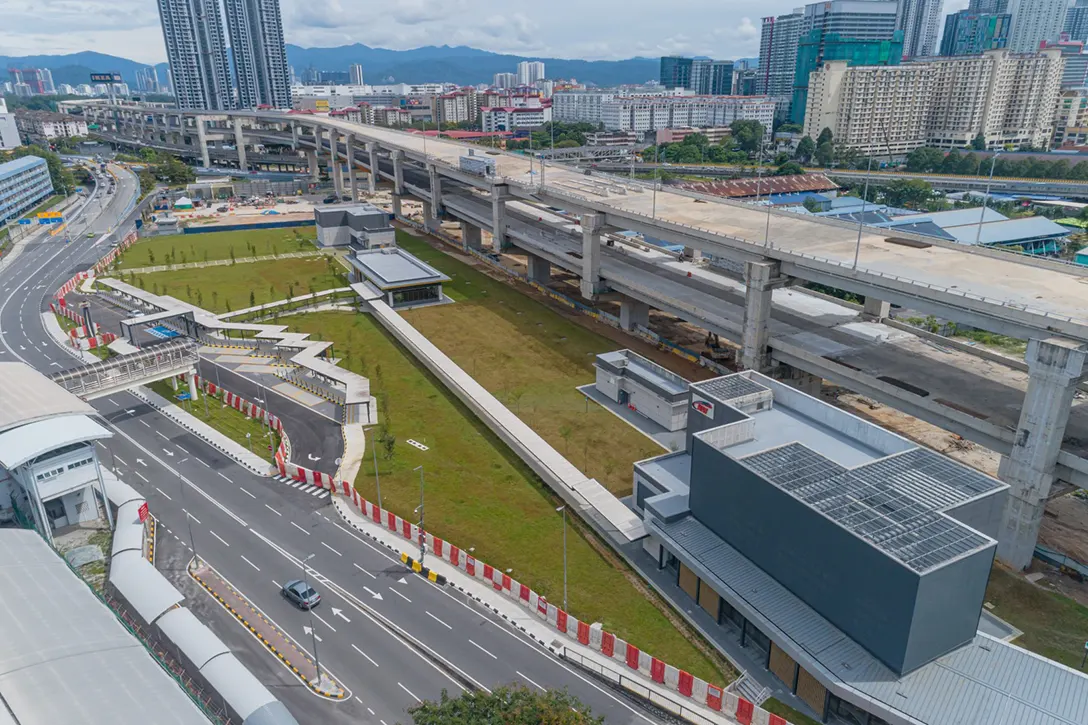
294 136
436 189
337 175
398 171
876 310
540 269
633 312
430 221
759 278
191 378
591 254
396 206
471 236
311 161
240 144
353 181
1055 366
202 140
372 182
499 196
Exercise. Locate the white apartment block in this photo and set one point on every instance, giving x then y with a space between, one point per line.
945 102
529 72
1035 22
363 113
642 114
392 117
580 106
9 130
504 80
512 118
456 107
1071 118
45 126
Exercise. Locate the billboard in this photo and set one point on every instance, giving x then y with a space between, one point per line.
106 78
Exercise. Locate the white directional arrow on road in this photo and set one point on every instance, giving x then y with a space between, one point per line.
373 593
169 453
310 632
141 462
402 580
130 411
21 347
312 457
340 613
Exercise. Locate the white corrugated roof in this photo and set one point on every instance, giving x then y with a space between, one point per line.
27 442
27 396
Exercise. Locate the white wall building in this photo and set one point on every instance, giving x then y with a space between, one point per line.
529 72
1071 118
9 131
197 51
512 118
259 54
578 106
356 71
504 80
1035 22
46 126
944 102
651 113
919 20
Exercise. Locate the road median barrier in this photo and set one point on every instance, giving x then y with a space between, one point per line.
422 570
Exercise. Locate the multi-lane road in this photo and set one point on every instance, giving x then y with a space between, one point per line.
389 637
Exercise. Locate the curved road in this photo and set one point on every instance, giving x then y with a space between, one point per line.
255 531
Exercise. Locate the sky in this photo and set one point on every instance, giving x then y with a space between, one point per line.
595 30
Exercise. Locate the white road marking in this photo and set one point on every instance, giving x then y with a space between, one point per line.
145 423
247 493
160 435
194 518
273 510
122 460
251 563
159 490
182 449
217 536
142 476
331 549
400 595
222 476
363 570
482 650
409 692
202 463
319 618
517 672
300 528
437 619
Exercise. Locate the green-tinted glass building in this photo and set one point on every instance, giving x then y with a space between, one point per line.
818 47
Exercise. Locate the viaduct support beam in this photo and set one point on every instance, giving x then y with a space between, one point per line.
539 269
398 171
633 312
337 166
436 190
591 254
876 310
759 279
353 180
311 161
202 140
294 136
430 221
499 195
471 236
240 144
396 206
1055 366
372 182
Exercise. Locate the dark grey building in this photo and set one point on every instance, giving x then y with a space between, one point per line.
703 76
852 560
675 72
363 226
1076 21
197 51
967 33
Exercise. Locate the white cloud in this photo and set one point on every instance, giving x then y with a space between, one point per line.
597 30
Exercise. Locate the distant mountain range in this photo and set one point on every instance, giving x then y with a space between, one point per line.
461 65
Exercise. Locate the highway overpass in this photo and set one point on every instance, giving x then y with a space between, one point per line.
1030 418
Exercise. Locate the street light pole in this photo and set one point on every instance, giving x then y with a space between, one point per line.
422 536
986 198
310 611
657 175
861 217
564 510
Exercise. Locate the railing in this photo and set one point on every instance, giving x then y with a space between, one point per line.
152 363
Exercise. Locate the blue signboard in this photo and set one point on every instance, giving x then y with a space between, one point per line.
25 222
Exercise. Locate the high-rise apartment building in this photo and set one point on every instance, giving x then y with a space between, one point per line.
651 113
260 57
944 102
147 80
1075 74
818 47
675 72
1076 21
778 54
1071 118
196 51
1035 22
39 81
988 7
9 131
529 72
356 71
919 20
702 76
969 33
504 80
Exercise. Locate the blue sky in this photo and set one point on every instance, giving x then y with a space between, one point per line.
600 29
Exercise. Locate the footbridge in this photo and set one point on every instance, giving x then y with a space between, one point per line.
1030 418
156 362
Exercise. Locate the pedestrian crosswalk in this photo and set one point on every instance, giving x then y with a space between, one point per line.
303 486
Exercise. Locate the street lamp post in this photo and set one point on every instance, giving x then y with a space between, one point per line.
861 216
422 536
986 198
564 510
657 175
310 611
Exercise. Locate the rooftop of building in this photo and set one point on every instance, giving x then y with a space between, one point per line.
644 370
19 165
29 397
49 116
66 658
392 267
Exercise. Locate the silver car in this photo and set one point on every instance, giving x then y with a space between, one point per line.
301 594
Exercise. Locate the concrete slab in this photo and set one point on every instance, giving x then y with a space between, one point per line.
255 369
233 358
298 394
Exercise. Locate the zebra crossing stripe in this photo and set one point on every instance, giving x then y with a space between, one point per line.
323 494
296 484
316 491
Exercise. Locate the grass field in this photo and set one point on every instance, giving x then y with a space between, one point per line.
532 359
1054 625
783 710
233 423
480 495
47 204
227 288
188 248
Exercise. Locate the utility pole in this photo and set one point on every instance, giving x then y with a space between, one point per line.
986 199
861 217
422 536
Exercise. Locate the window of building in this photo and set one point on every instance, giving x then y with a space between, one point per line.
52 473
415 295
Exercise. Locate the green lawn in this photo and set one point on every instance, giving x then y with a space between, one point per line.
1054 625
47 204
532 359
188 248
227 288
479 494
233 423
781 709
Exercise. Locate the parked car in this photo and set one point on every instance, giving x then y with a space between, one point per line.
301 594
329 200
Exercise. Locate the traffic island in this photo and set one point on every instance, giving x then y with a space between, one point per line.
274 639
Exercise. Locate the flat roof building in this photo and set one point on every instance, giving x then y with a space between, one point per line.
644 387
402 279
363 226
24 182
848 559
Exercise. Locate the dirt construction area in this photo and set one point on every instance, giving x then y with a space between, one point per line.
216 214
